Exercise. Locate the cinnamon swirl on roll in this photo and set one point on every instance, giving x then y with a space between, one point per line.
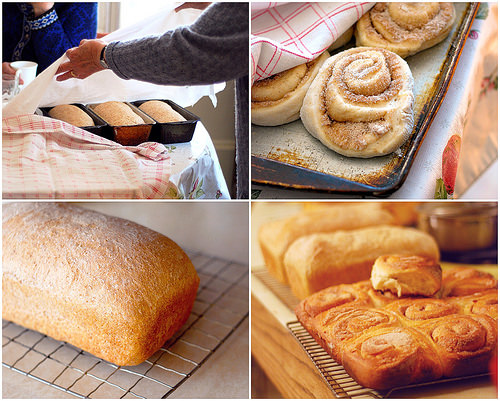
405 28
464 343
361 103
277 100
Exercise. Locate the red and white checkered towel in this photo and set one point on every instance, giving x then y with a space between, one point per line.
47 158
285 35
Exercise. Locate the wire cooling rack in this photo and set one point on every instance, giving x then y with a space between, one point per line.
221 306
334 374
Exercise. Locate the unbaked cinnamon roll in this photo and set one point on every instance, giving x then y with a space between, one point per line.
361 103
405 28
277 100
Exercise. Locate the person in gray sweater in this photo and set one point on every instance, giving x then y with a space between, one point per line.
212 49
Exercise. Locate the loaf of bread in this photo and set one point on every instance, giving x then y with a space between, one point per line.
318 261
117 114
276 236
161 111
404 213
72 115
406 275
106 285
399 342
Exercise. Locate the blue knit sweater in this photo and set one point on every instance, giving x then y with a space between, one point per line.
44 39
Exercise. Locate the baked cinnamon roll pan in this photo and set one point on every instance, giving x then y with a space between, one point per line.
290 157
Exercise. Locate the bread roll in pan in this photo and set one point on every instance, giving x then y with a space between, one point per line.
100 128
129 135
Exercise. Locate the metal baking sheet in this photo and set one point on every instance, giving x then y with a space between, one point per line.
289 156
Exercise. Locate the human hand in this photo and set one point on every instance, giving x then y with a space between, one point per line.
192 4
9 72
40 8
84 60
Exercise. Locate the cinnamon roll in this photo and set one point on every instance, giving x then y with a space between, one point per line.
361 103
466 281
337 325
406 275
333 297
464 343
418 309
481 303
386 357
277 100
405 28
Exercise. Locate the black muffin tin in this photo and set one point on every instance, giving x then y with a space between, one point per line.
176 132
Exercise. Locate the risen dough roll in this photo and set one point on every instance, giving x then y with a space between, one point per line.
405 28
161 111
277 100
361 103
72 115
117 114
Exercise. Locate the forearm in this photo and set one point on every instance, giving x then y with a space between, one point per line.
213 49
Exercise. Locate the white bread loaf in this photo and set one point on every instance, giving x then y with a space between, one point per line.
72 115
276 236
106 285
318 261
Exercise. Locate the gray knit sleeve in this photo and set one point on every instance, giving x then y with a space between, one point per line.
212 49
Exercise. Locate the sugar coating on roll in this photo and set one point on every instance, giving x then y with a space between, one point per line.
277 100
361 103
405 28
406 275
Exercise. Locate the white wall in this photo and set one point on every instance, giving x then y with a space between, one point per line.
215 228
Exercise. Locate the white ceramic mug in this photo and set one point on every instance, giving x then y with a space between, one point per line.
26 70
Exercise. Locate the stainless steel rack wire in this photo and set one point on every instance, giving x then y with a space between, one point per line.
339 381
334 374
221 306
282 291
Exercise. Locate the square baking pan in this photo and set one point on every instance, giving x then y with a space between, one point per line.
100 128
176 132
129 135
289 156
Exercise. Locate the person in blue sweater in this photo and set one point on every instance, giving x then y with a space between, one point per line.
42 32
